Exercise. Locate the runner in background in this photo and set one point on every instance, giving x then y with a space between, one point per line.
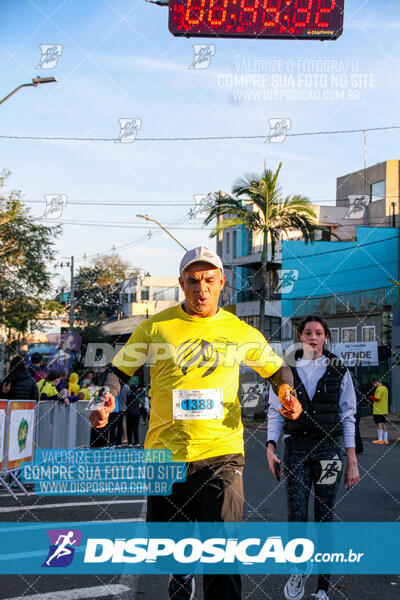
312 460
380 398
195 350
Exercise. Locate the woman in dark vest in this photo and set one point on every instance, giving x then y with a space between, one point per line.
312 460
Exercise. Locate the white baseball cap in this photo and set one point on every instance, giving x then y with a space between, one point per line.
200 254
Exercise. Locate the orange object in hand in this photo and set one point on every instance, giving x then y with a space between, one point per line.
99 416
292 407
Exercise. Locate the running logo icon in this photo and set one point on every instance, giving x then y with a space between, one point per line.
286 280
55 204
357 207
62 547
278 130
50 55
128 130
330 471
203 54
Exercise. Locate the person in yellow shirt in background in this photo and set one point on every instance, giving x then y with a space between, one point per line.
380 398
73 385
48 388
195 350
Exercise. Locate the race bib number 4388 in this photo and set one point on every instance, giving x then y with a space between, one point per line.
198 404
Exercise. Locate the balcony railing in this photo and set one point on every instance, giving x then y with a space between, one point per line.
252 295
349 302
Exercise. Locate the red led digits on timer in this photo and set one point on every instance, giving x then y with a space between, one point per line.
324 12
302 11
247 10
197 7
294 19
215 10
271 11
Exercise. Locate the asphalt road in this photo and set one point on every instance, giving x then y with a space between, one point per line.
375 498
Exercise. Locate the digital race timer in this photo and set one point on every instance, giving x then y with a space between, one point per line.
293 19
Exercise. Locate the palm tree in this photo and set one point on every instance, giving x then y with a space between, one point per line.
273 215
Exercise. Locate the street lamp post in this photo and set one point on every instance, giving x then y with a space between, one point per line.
163 228
35 82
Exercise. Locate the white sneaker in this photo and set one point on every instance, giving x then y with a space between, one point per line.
294 588
321 595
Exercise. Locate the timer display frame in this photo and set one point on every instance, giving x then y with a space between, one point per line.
264 19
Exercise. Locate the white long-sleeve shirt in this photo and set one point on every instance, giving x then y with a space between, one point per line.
310 373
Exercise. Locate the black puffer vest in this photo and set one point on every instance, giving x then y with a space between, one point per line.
320 416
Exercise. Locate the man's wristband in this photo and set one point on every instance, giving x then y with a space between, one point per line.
271 442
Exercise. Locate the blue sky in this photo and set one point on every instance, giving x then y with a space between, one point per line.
120 61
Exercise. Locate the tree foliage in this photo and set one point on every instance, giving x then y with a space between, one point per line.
26 250
97 289
257 204
274 215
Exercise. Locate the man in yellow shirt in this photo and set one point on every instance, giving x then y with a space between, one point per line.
195 350
380 409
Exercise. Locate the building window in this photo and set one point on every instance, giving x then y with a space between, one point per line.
163 293
228 240
322 235
368 333
176 294
272 329
378 191
253 320
144 293
349 334
234 244
249 242
334 335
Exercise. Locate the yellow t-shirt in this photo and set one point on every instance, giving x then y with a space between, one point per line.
45 387
193 353
381 407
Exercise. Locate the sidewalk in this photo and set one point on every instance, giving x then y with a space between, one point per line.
367 426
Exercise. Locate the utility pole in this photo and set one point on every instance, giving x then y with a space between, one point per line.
72 296
2 357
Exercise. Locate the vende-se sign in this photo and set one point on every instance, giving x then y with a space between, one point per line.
354 353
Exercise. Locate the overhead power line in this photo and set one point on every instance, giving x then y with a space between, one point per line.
194 139
316 201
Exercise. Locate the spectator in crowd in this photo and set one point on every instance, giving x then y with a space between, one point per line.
74 393
36 367
87 379
19 383
133 415
119 429
144 406
48 388
380 398
63 385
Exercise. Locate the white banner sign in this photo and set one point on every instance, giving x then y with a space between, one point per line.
22 424
354 353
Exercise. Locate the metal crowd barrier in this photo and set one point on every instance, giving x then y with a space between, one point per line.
60 426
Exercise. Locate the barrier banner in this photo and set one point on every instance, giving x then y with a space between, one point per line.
21 426
3 411
155 548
